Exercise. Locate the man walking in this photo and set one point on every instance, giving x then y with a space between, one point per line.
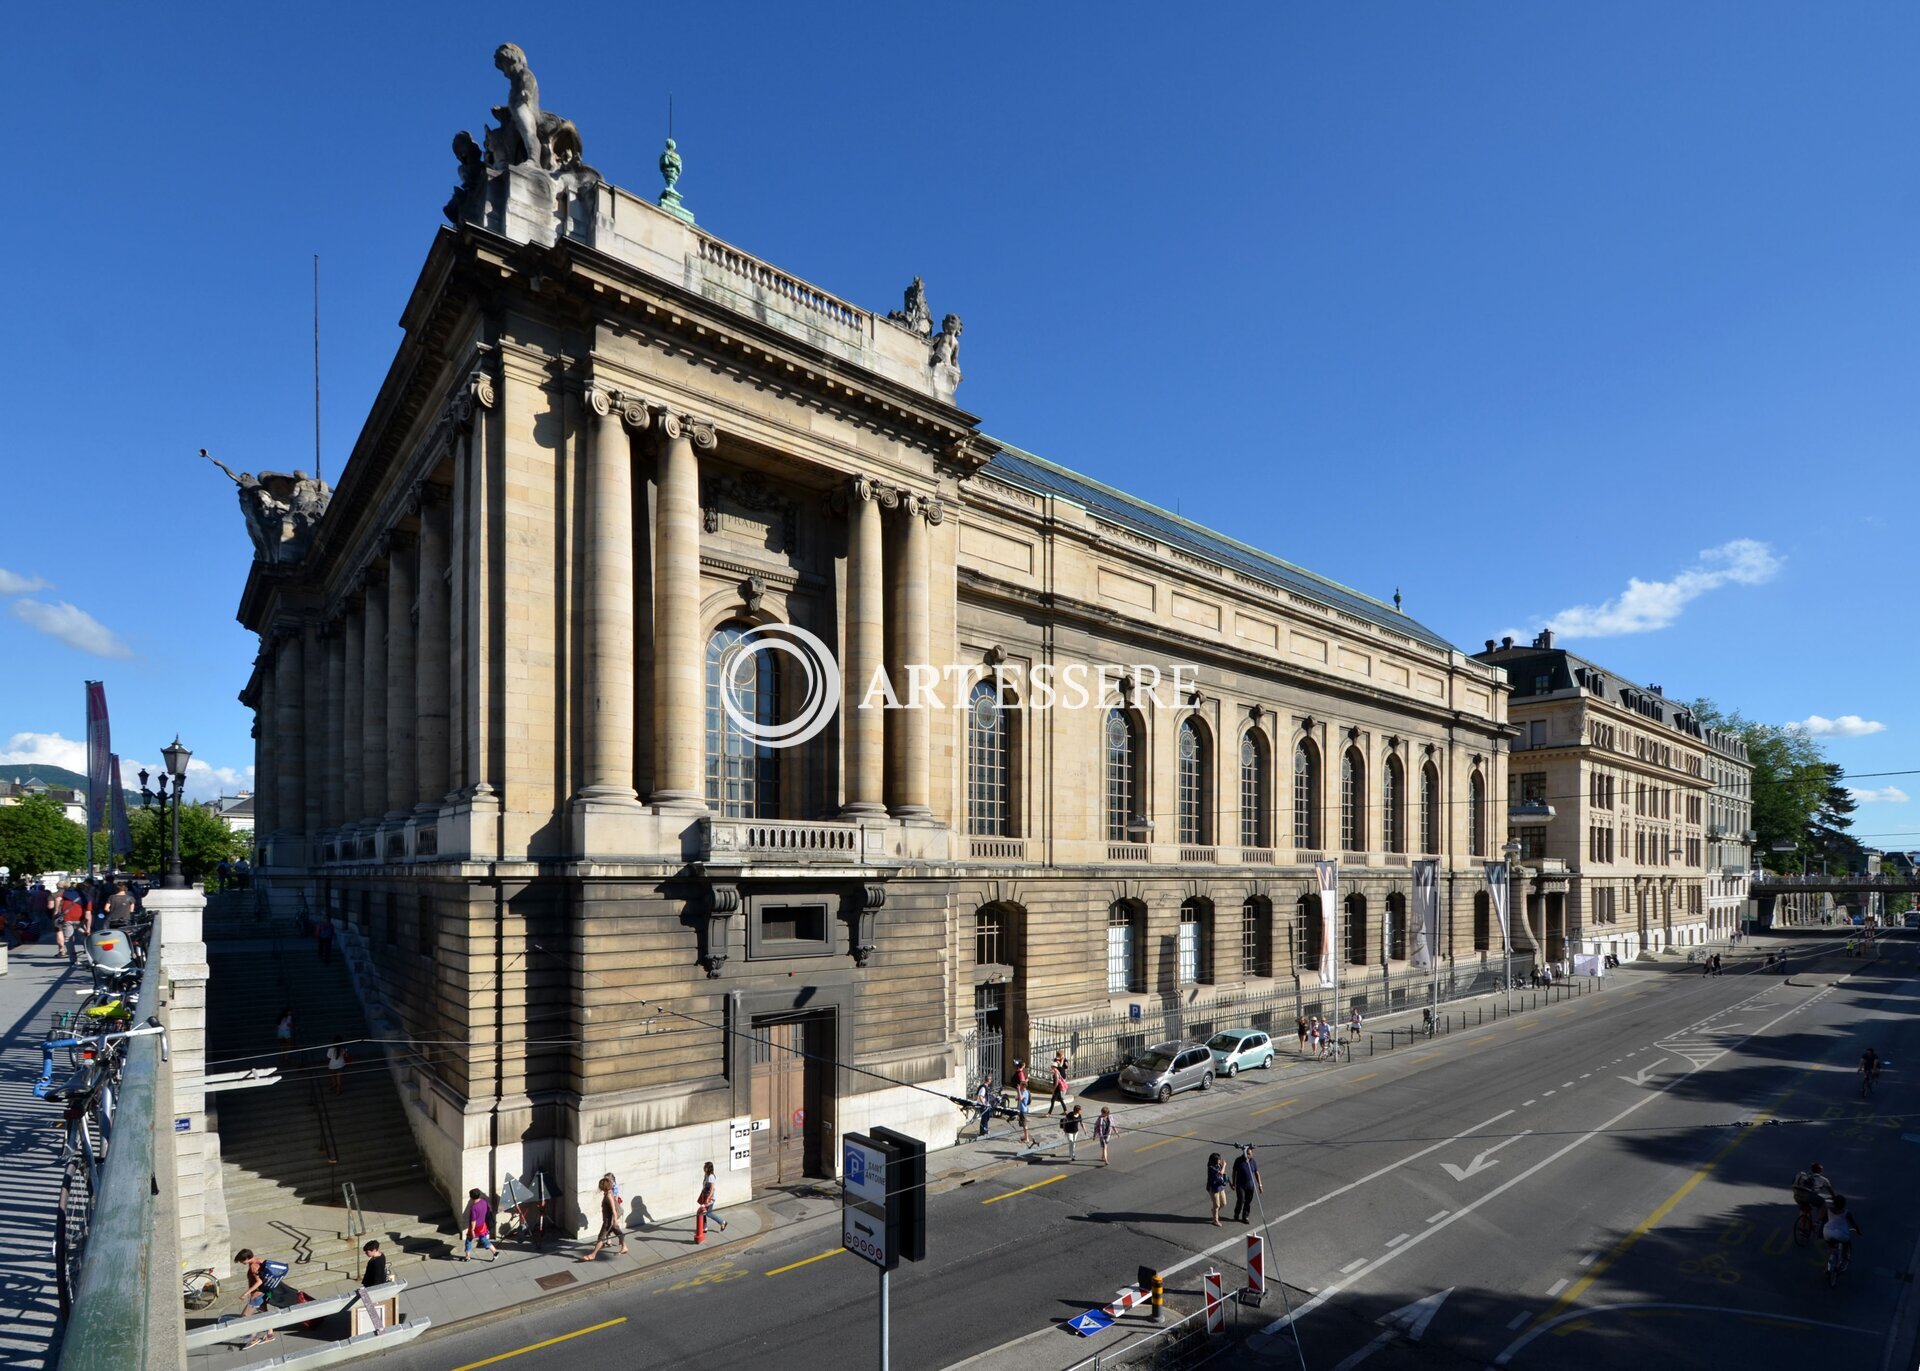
1246 1184
1059 1082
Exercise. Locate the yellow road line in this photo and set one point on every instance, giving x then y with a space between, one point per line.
535 1347
995 1199
1423 1057
1163 1142
1369 1076
809 1261
1268 1108
1573 1292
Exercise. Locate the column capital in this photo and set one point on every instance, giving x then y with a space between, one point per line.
913 505
475 395
425 494
396 540
701 432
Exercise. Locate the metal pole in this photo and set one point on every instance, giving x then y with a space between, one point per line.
1506 937
883 1319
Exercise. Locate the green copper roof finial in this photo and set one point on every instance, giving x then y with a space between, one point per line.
670 169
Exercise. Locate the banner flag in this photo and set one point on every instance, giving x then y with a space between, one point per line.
1426 911
1497 897
99 749
1328 875
122 840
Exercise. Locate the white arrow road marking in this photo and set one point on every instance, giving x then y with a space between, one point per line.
1409 1321
1480 1163
1645 1072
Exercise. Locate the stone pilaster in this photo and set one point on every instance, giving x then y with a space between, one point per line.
313 734
266 772
679 655
333 648
353 694
373 702
288 730
402 782
865 730
432 654
606 764
911 788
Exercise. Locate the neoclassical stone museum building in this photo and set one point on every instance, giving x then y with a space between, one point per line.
516 685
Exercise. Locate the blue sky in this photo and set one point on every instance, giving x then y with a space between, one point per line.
1510 306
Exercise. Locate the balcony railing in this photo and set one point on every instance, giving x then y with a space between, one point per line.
997 849
1127 852
810 842
1257 856
1199 854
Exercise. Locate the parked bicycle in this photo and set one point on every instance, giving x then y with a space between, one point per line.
199 1288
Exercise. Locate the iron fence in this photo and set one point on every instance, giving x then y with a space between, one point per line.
1180 1346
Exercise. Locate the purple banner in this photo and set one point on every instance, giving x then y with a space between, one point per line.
122 839
99 756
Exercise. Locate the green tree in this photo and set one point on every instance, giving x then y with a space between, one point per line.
205 841
36 836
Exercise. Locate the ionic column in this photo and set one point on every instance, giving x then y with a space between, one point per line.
606 763
288 752
266 771
913 646
373 702
432 655
333 648
353 694
865 730
679 656
402 788
313 740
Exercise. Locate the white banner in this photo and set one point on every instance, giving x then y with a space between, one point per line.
1497 897
1426 911
1328 875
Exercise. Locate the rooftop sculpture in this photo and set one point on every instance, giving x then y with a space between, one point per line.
282 510
527 136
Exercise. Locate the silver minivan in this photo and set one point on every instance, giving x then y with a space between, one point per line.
1161 1072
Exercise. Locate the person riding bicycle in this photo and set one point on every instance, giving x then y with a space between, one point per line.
1812 1189
1870 1066
1839 1231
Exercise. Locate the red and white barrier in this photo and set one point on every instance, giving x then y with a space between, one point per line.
1256 1266
1126 1300
1216 1306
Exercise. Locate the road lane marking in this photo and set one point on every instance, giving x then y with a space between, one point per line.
1528 1102
1354 1265
1556 1287
536 1346
1269 1108
995 1199
1423 1057
1369 1076
1395 1242
1164 1141
1589 1260
809 1261
1441 1215
1518 1319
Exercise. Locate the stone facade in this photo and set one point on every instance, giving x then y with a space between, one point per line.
490 734
1730 834
1620 865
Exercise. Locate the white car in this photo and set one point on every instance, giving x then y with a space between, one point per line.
1235 1048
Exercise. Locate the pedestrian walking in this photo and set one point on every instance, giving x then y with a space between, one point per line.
1060 1094
703 1207
1022 1102
1353 1025
283 1031
337 1065
376 1272
985 1102
1246 1184
323 938
1070 1125
1217 1183
478 1212
1300 1029
610 1229
119 907
1019 1074
1103 1132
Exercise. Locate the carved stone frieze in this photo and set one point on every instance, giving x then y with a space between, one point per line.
747 504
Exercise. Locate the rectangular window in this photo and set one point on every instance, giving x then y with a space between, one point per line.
1533 843
1119 953
782 926
1189 951
788 923
1253 939
1533 788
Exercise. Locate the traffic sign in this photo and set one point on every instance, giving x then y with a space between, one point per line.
863 1170
1091 1322
740 1143
865 1236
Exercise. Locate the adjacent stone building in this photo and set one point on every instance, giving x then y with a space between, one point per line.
1619 865
515 693
1730 835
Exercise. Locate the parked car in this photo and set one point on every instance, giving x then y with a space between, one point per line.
1234 1048
1163 1071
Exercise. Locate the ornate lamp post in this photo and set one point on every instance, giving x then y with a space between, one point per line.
177 758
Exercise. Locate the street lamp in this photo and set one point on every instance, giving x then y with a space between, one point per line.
1512 853
177 758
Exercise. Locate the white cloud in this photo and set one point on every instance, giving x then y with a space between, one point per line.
72 626
45 749
13 583
1885 795
1648 605
1846 726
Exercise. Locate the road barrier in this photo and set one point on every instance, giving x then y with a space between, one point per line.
1256 1268
1216 1306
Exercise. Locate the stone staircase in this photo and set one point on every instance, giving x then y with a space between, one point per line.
288 1148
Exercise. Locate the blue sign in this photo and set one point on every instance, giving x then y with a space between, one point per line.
1133 1013
1091 1322
182 1125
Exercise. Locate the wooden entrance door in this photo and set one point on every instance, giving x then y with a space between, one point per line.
787 1072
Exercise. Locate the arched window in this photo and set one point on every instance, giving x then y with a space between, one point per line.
1482 922
1429 808
1357 930
1306 795
1353 801
1194 964
1123 938
989 810
1312 935
1476 816
743 774
1396 927
1253 790
1256 937
990 938
1123 757
1393 828
1195 821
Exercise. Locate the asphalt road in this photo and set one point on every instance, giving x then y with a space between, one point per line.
1593 1184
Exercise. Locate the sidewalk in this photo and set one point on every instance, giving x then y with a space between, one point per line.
30 1181
449 1292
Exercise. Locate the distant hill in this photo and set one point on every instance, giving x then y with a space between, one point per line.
52 775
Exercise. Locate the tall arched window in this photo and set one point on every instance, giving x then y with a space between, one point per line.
1396 929
1429 808
1353 801
1253 790
1482 922
1393 828
1195 822
1306 795
1194 961
1123 757
743 774
1476 816
1256 940
1313 934
1357 930
1122 941
989 810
